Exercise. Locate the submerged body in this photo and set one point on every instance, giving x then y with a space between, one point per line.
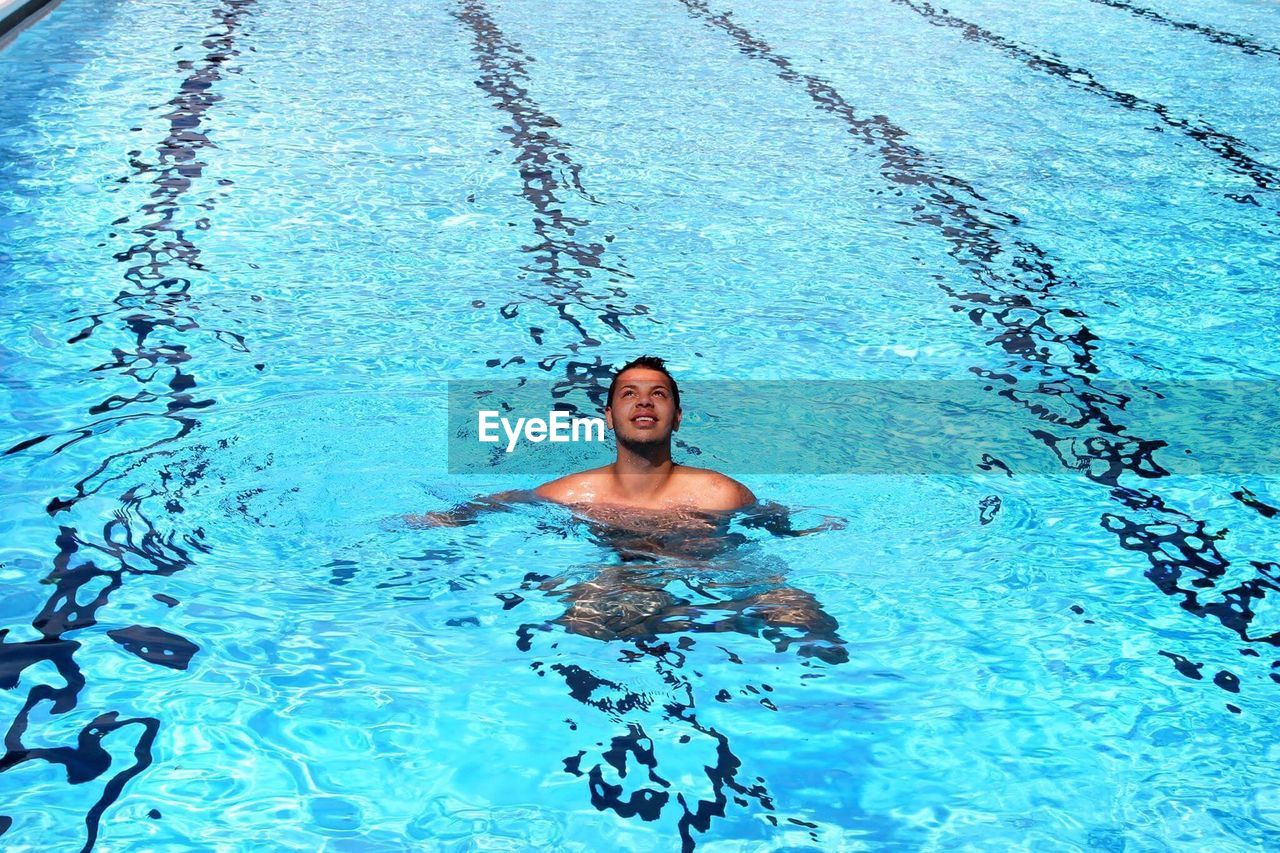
670 525
689 572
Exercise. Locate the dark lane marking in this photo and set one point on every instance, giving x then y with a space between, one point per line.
1182 552
978 238
633 756
1224 145
156 645
1216 36
1250 500
83 575
562 262
175 172
155 299
564 265
87 761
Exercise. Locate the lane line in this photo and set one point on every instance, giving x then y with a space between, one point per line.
1230 149
1244 43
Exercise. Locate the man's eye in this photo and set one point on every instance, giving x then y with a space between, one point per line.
660 393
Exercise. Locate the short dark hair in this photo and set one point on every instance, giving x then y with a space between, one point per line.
652 362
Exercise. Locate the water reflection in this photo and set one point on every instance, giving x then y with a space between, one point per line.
1052 363
689 572
154 310
671 579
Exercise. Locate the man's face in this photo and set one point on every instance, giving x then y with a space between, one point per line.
643 409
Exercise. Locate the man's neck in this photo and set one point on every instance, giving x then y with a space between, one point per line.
643 471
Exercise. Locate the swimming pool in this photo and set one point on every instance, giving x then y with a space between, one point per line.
245 246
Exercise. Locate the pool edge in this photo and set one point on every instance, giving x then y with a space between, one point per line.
17 15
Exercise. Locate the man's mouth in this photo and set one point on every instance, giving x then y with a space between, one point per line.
644 420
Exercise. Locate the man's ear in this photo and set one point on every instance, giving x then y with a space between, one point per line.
679 414
608 417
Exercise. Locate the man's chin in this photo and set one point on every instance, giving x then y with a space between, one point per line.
644 441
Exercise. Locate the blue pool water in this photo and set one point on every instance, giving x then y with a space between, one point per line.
245 244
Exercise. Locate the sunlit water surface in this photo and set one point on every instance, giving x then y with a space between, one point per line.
245 244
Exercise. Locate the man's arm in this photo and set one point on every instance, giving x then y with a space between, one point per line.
776 518
467 513
574 488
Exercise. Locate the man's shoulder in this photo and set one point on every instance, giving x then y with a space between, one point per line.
716 490
579 487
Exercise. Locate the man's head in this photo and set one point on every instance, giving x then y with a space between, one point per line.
643 406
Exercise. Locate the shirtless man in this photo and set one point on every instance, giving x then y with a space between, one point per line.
646 506
643 410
